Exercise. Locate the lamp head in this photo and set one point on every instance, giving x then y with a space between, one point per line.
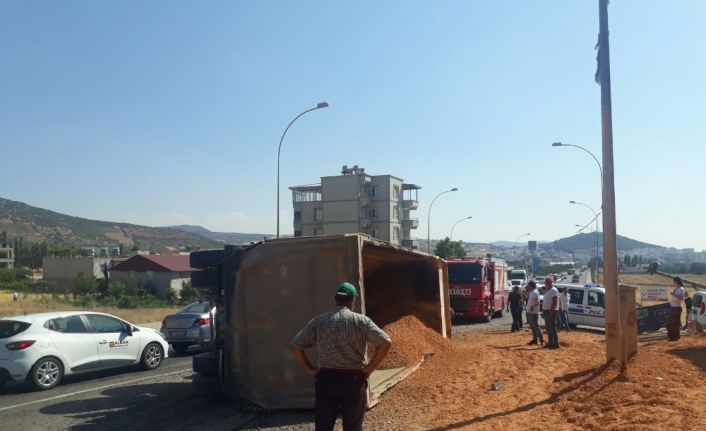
557 144
322 105
572 202
454 189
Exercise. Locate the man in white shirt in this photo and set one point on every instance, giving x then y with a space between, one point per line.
532 312
674 322
550 307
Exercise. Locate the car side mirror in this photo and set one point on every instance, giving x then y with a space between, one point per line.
129 330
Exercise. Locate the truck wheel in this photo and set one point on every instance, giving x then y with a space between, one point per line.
489 314
500 312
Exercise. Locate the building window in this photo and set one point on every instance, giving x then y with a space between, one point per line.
297 215
396 233
297 233
318 214
318 231
396 192
372 213
396 213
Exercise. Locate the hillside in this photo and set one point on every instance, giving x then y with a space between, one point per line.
224 237
587 241
36 225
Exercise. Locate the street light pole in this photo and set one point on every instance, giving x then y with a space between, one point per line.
454 225
595 215
600 168
279 149
429 217
518 238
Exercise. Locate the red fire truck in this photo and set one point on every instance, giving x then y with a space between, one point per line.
477 287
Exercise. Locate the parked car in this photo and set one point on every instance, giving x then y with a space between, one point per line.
575 278
698 309
44 347
189 326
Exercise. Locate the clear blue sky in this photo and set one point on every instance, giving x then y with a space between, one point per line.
164 113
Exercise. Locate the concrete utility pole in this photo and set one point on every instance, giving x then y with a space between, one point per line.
617 326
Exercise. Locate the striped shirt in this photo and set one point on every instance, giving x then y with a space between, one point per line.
340 338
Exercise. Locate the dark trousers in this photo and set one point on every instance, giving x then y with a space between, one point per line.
562 320
533 320
674 323
516 318
550 323
340 392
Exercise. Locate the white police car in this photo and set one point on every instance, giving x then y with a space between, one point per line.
44 347
586 304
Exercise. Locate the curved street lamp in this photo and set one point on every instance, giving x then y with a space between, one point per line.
518 238
595 215
429 217
600 168
459 221
279 149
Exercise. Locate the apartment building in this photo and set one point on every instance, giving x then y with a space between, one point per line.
377 205
7 257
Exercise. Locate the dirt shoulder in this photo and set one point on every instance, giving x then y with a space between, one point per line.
566 389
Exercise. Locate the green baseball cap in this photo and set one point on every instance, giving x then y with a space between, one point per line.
347 290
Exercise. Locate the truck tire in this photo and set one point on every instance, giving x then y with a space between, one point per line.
489 314
499 313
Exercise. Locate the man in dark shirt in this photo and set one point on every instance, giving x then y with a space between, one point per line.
514 305
341 338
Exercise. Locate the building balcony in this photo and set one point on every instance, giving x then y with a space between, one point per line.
412 243
412 223
410 204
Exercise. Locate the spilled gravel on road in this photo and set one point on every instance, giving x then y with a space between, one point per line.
566 389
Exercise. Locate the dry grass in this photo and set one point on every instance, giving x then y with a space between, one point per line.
44 303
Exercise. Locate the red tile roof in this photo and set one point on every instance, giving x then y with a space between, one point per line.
156 263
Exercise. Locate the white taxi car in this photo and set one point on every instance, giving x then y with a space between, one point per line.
44 347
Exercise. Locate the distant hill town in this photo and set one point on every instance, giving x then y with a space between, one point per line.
34 224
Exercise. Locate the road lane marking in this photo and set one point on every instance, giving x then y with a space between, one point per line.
100 388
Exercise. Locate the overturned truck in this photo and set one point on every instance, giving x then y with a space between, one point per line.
267 292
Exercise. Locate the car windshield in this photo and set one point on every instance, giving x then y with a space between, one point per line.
464 273
196 307
10 328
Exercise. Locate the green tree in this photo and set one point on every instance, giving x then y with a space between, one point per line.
188 293
447 248
627 261
83 286
635 260
698 268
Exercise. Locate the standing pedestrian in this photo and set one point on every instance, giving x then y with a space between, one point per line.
340 338
674 322
550 307
564 309
687 304
532 312
514 306
15 295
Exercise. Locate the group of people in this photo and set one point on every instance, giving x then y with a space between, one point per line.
554 310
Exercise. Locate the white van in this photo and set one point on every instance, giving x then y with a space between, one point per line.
586 305
698 308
